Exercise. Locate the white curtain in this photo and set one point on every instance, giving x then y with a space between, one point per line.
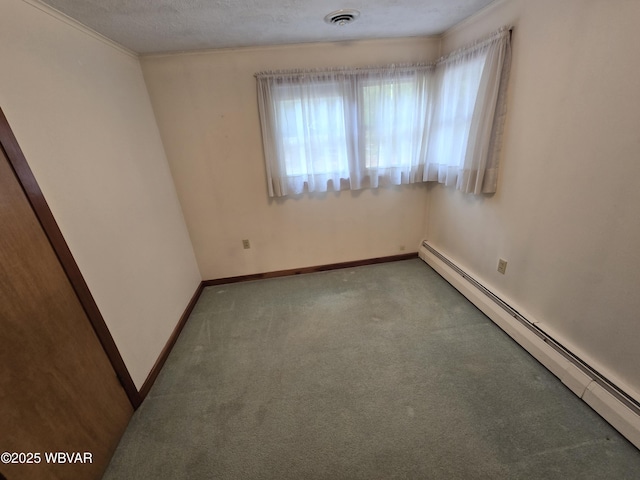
392 125
343 128
467 117
357 128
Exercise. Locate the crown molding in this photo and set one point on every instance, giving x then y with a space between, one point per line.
52 12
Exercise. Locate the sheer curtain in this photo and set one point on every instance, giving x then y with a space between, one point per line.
356 128
304 120
393 127
343 128
467 116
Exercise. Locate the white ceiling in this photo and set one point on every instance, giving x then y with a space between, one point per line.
154 26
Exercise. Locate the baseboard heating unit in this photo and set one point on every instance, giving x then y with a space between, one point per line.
616 406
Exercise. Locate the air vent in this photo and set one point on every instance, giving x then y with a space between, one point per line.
342 17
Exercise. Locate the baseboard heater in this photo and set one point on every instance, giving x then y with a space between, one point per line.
616 406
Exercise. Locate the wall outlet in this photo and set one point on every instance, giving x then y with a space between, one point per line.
246 244
502 266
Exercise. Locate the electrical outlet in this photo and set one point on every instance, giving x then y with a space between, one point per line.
502 266
246 244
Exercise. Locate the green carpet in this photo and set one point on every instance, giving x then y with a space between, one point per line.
375 372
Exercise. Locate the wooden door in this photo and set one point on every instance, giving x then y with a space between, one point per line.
58 390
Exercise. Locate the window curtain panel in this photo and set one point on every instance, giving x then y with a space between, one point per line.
392 125
307 130
344 128
467 117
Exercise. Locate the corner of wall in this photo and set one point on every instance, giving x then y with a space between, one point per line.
79 26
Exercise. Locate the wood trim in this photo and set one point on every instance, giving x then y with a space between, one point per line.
162 358
39 205
318 268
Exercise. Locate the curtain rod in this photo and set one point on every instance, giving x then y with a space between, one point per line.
346 70
505 30
481 42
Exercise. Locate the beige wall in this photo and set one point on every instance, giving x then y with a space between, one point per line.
566 214
80 111
206 108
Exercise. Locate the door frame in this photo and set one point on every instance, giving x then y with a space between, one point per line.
29 185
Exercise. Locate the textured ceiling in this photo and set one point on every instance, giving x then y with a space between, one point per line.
153 26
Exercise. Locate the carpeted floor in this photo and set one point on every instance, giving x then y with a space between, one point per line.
376 372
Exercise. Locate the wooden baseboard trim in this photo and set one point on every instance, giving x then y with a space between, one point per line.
155 371
318 268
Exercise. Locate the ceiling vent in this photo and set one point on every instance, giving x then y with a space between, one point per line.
342 17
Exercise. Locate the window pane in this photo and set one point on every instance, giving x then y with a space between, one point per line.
312 130
393 112
458 93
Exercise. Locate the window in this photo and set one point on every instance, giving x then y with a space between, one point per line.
458 93
311 130
325 130
399 124
392 118
468 114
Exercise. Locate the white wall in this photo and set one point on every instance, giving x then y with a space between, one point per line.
566 214
206 108
81 113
